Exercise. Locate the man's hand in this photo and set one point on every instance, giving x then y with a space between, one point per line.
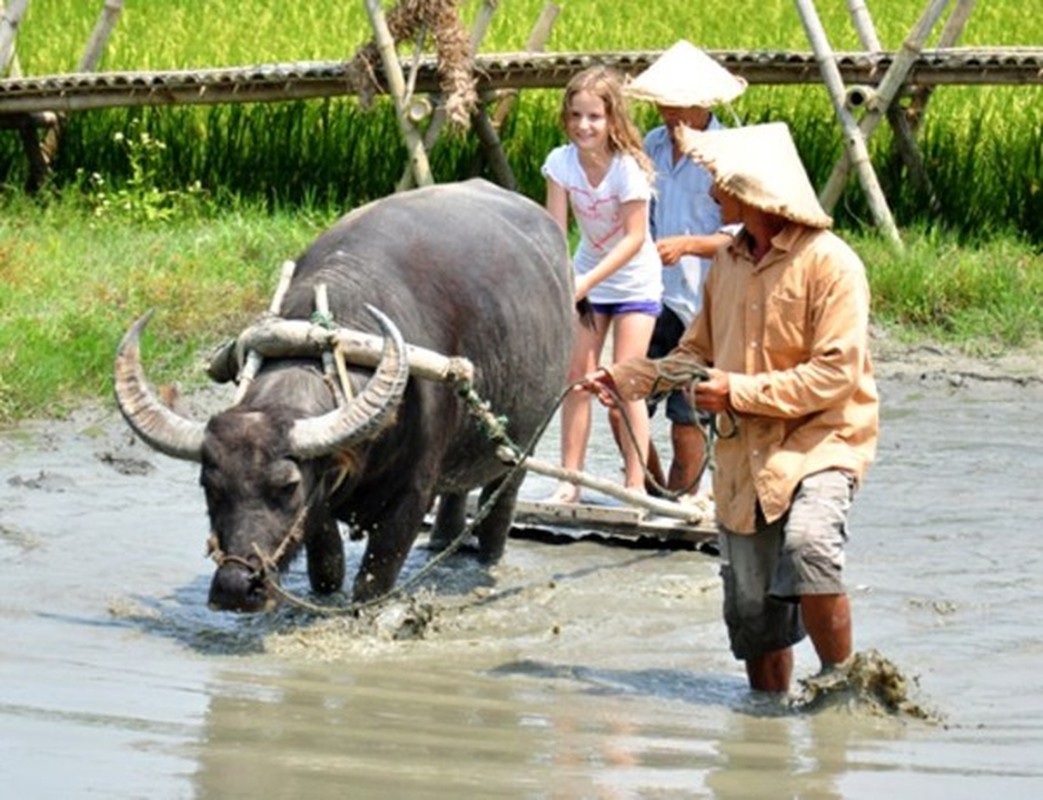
671 248
599 382
712 394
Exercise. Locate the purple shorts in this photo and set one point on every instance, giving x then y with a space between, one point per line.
651 307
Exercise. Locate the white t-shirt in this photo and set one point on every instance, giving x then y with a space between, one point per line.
598 213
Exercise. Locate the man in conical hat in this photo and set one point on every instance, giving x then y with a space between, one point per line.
780 354
685 84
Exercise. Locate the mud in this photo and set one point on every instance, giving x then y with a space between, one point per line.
580 666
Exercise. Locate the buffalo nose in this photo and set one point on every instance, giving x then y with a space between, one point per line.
237 588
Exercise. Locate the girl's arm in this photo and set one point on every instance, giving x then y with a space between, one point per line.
558 204
635 229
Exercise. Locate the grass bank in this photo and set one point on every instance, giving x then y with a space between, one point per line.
75 274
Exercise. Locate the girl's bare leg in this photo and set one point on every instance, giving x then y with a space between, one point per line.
632 333
576 412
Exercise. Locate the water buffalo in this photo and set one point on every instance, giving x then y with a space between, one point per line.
463 269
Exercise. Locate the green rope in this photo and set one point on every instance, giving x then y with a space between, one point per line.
323 319
495 429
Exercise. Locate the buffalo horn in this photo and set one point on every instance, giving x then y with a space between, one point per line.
160 427
366 414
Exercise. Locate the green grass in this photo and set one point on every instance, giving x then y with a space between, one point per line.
978 296
74 281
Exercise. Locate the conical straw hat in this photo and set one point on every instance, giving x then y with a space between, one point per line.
760 165
685 76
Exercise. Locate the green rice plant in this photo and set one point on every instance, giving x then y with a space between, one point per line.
981 144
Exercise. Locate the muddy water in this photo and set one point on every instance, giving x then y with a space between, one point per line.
569 671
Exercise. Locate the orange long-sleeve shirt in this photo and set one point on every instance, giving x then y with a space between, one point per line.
792 332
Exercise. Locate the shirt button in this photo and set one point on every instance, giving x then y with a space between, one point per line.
753 345
755 307
756 452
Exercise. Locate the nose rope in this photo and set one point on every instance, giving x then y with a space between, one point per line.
268 564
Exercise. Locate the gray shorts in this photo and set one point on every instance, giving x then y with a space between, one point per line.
765 573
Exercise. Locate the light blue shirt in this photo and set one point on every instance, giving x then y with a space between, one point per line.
681 206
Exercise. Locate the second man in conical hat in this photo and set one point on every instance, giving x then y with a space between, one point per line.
685 85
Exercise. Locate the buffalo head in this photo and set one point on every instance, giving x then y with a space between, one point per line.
268 463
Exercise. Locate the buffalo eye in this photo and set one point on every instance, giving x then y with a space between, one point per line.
212 481
284 477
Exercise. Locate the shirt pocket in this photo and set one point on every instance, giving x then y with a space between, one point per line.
786 328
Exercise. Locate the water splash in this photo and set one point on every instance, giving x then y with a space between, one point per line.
867 682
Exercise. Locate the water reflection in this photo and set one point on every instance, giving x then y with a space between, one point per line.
520 729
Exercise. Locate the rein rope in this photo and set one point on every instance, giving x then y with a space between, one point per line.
494 427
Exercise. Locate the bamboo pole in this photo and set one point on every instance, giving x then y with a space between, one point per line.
665 508
951 32
110 12
493 150
854 142
482 20
536 42
254 358
478 30
885 93
864 27
487 125
26 124
418 163
905 136
9 22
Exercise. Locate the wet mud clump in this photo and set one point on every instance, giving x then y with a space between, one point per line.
866 683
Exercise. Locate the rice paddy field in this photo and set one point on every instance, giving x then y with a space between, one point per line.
982 145
191 209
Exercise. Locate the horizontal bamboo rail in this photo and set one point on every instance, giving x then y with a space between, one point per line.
307 80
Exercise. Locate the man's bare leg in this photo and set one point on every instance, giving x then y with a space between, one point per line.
689 451
827 619
772 671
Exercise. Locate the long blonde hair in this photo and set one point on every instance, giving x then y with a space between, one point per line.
623 135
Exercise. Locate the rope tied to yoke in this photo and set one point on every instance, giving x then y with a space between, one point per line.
495 428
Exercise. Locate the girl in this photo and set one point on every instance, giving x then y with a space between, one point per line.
606 179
